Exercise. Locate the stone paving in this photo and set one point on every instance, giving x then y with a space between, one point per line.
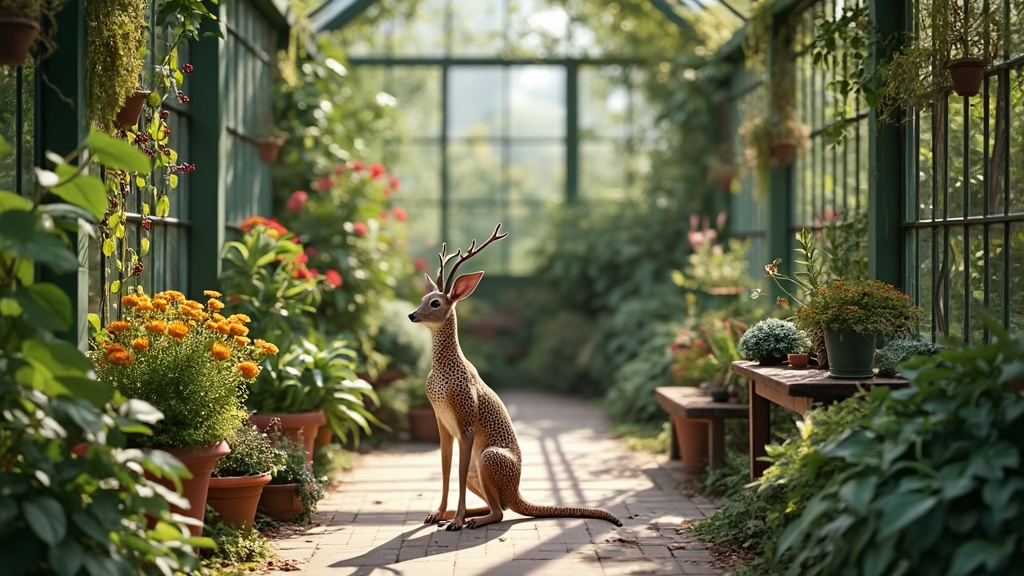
372 522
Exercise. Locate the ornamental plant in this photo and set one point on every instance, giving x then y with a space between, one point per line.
186 359
869 307
291 467
770 340
251 454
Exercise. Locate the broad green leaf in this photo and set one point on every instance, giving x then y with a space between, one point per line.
22 234
857 493
12 201
117 154
115 286
173 180
10 307
82 190
108 246
60 358
901 509
94 320
99 393
46 518
144 247
45 306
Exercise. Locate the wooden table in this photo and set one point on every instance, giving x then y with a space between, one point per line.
796 389
690 404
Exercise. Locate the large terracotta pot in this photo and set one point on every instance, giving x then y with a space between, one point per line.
324 436
692 440
301 427
423 425
200 462
18 34
234 498
280 502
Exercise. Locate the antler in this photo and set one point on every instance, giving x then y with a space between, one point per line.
473 251
443 259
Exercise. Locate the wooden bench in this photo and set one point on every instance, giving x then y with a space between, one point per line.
699 425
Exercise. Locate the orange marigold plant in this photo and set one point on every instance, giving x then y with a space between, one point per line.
184 358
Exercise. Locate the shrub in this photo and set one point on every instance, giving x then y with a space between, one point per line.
770 340
870 307
251 454
291 468
895 352
406 345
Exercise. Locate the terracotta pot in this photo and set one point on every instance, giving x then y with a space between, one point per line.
200 462
301 427
280 502
798 360
966 75
324 436
269 149
234 498
128 115
784 152
17 35
692 439
388 376
423 424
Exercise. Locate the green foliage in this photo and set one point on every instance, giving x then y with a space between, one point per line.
932 479
770 340
870 307
251 454
651 437
115 32
406 346
237 552
560 351
291 468
28 9
895 352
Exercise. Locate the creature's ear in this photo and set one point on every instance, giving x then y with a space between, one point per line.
464 286
431 287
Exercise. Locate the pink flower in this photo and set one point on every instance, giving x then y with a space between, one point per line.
377 170
399 213
359 229
420 264
324 183
339 169
395 184
356 165
296 200
334 278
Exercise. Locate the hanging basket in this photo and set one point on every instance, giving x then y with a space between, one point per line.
131 110
966 75
269 149
16 38
784 152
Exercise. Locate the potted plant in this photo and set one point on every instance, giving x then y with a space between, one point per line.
293 491
192 364
852 315
771 340
405 349
115 36
238 478
19 25
421 417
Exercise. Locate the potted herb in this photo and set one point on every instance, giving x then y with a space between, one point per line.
238 478
771 340
115 36
293 491
192 364
19 25
852 315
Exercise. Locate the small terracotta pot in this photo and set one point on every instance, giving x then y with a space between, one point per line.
692 439
200 462
798 360
131 110
301 427
269 149
324 436
784 152
423 424
280 501
18 34
966 75
235 498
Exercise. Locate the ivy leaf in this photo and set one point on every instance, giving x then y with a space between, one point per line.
66 558
46 518
117 154
902 508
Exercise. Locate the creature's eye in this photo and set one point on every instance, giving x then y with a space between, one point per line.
435 303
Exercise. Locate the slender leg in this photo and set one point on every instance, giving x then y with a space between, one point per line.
760 430
497 470
446 471
465 455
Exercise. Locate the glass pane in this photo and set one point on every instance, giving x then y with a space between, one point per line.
477 28
602 170
475 101
475 221
417 90
424 230
1016 116
418 168
474 171
537 172
528 225
539 28
604 101
537 101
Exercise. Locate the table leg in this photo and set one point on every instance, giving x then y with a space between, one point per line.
760 430
716 443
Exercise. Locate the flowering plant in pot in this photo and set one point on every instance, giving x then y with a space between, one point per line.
188 361
238 478
293 491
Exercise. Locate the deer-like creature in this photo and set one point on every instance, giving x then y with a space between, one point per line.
490 462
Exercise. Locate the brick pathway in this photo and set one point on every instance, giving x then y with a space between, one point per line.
373 523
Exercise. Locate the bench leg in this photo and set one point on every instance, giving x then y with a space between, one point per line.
716 443
673 447
760 431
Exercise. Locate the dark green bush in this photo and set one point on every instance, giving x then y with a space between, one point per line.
895 352
770 340
406 345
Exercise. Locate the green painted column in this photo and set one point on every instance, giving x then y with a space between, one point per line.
887 186
779 215
207 205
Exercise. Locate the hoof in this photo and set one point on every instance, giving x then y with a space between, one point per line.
452 527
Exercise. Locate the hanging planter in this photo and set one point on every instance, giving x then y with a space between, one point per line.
128 115
784 152
16 38
966 75
269 149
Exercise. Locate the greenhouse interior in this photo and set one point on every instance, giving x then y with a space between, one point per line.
746 289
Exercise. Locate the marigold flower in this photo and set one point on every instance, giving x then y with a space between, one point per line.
212 293
160 303
114 347
267 347
118 326
178 330
156 326
220 351
145 305
215 304
224 328
211 325
121 357
129 301
238 329
248 369
140 343
172 295
241 340
218 317
239 318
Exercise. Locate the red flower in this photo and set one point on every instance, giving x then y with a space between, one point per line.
377 170
261 222
334 278
395 184
296 200
399 213
301 258
339 169
234 299
359 229
356 165
303 273
420 264
383 216
387 192
324 183
310 252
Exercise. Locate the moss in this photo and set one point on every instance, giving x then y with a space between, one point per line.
115 33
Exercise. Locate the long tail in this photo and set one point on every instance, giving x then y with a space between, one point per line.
520 506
